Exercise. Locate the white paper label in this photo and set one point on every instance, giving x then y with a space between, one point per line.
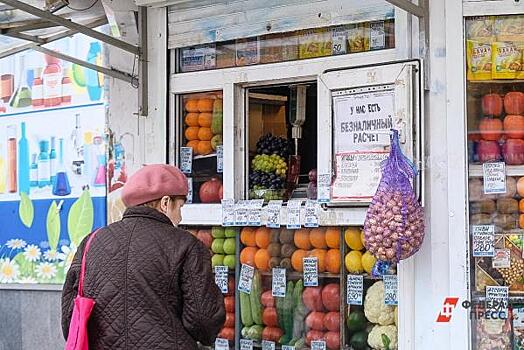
189 198
246 344
221 278
310 272
323 188
246 278
273 213
278 283
186 159
44 172
293 214
220 159
228 212
242 213
340 41
255 212
268 345
518 318
497 299
52 85
318 345
198 58
390 290
288 347
494 177
311 214
355 289
483 240
377 35
502 259
221 344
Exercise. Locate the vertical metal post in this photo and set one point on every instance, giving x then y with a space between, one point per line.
143 105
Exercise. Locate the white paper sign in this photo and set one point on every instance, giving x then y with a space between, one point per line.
494 177
483 240
340 41
310 265
189 198
288 347
518 318
390 289
221 278
278 283
311 214
273 213
323 188
221 344
228 212
497 299
268 345
246 344
198 58
255 212
220 159
293 214
318 345
242 213
502 259
246 278
186 159
355 289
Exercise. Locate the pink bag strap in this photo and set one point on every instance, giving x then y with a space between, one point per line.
83 267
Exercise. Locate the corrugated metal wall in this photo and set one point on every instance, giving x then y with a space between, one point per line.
204 21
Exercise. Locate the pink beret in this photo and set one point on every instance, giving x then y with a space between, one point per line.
154 182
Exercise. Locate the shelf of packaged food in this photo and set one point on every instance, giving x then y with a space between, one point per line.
507 81
475 170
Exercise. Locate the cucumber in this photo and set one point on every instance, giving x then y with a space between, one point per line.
300 312
254 297
245 310
288 314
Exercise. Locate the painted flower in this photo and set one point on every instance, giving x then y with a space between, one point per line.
8 271
46 270
27 279
51 255
16 243
66 256
64 242
32 253
44 245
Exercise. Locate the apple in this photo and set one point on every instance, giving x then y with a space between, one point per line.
205 237
230 232
514 102
492 104
217 260
229 261
217 232
488 151
229 246
513 151
218 246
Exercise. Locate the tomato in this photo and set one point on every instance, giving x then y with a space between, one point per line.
267 299
331 297
227 333
315 320
314 335
333 340
230 320
269 317
312 298
332 321
229 303
272 334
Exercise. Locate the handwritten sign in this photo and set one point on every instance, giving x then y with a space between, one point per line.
186 159
246 344
340 40
273 213
502 259
246 278
288 347
355 289
518 319
310 266
323 188
494 177
377 35
242 213
268 345
318 345
220 159
189 197
198 58
221 344
483 240
228 212
221 278
390 290
255 212
311 214
278 283
293 214
497 299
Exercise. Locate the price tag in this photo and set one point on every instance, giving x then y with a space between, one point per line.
246 278
340 40
390 289
310 265
323 184
311 214
518 318
221 278
273 213
242 213
278 283
355 289
483 240
255 212
189 198
221 344
288 347
246 344
318 345
494 177
220 159
293 214
186 159
502 259
497 299
268 345
228 212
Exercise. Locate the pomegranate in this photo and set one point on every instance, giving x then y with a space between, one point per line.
488 151
513 151
514 102
210 191
492 104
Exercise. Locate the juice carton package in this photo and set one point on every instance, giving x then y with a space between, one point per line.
315 43
481 29
510 28
479 60
506 60
356 38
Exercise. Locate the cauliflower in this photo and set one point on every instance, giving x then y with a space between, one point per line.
375 309
379 335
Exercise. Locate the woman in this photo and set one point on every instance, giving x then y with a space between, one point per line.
152 282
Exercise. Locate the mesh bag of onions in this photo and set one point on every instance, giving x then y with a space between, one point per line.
394 226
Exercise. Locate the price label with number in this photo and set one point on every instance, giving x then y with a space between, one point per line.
228 212
288 347
255 212
246 344
355 289
221 278
390 289
293 214
318 345
246 278
278 283
186 159
311 214
220 159
310 265
242 213
340 40
273 213
497 299
483 240
494 177
221 344
189 197
268 345
323 185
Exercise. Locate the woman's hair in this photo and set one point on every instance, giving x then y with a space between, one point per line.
154 204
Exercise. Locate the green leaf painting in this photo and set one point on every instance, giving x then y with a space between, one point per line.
81 218
53 225
26 267
26 210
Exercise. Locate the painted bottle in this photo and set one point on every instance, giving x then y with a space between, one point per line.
61 186
94 88
38 92
23 162
52 77
33 172
67 87
2 169
52 161
44 178
88 153
11 159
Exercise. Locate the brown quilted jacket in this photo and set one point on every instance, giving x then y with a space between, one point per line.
152 284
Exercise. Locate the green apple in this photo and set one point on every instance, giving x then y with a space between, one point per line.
217 260
229 261
230 232
217 232
218 246
229 246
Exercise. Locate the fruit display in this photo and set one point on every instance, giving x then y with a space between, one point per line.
223 246
203 121
211 191
357 259
228 330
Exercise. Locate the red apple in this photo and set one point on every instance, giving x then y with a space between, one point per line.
492 104
513 151
205 237
514 102
488 151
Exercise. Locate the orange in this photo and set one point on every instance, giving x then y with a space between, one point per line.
204 147
263 237
521 205
317 238
204 119
194 145
520 187
247 256
262 259
333 261
247 237
191 119
320 254
521 220
333 237
205 105
192 106
302 239
191 133
297 259
205 134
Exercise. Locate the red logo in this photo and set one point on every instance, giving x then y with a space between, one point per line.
447 310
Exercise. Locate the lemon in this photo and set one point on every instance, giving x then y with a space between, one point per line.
362 238
352 237
368 261
354 262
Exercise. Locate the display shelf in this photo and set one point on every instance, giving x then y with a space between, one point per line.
211 155
501 81
516 297
475 170
294 275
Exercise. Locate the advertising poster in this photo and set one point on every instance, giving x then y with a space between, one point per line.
53 160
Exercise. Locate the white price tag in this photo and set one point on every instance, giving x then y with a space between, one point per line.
246 344
494 177
189 198
268 345
293 214
318 345
242 213
186 159
323 188
278 283
273 213
497 300
340 41
221 344
311 214
220 159
255 212
221 278
390 289
518 318
246 278
288 347
228 212
483 240
310 272
355 289
502 259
